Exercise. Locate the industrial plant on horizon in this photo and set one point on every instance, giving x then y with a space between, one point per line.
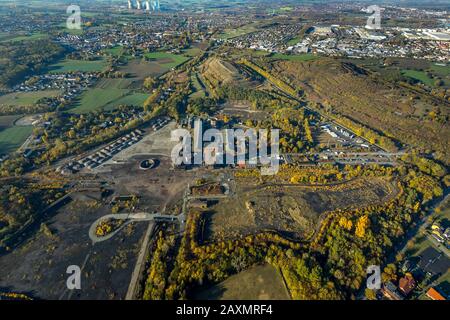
147 5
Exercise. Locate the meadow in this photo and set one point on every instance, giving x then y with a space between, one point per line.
108 94
69 65
419 76
259 282
166 59
26 98
34 36
8 121
13 137
233 33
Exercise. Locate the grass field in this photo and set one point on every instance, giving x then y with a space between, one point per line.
8 121
443 71
34 36
26 98
78 65
116 51
295 57
419 76
167 60
193 52
294 41
134 99
259 282
233 33
138 70
199 92
108 94
12 138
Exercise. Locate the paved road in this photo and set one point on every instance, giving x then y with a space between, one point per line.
140 263
129 218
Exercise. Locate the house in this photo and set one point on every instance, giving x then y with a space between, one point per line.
390 291
447 233
406 284
433 294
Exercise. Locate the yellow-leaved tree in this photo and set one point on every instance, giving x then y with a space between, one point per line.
361 226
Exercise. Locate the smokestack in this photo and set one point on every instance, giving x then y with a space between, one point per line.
138 4
155 5
147 5
130 6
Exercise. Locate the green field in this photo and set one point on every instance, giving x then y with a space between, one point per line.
108 94
132 99
78 65
257 283
233 33
193 52
34 36
443 71
8 121
419 76
26 98
295 57
294 41
166 60
115 51
199 92
12 138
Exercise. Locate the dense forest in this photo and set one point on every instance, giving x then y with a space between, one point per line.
24 58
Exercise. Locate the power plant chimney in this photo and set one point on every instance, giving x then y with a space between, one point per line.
138 4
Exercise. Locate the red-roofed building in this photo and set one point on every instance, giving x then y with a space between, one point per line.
434 295
407 284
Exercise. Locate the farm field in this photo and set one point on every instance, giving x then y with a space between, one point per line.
8 121
34 36
233 33
440 70
166 60
78 65
137 70
194 51
26 98
294 41
259 282
115 51
135 99
108 94
419 76
13 137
